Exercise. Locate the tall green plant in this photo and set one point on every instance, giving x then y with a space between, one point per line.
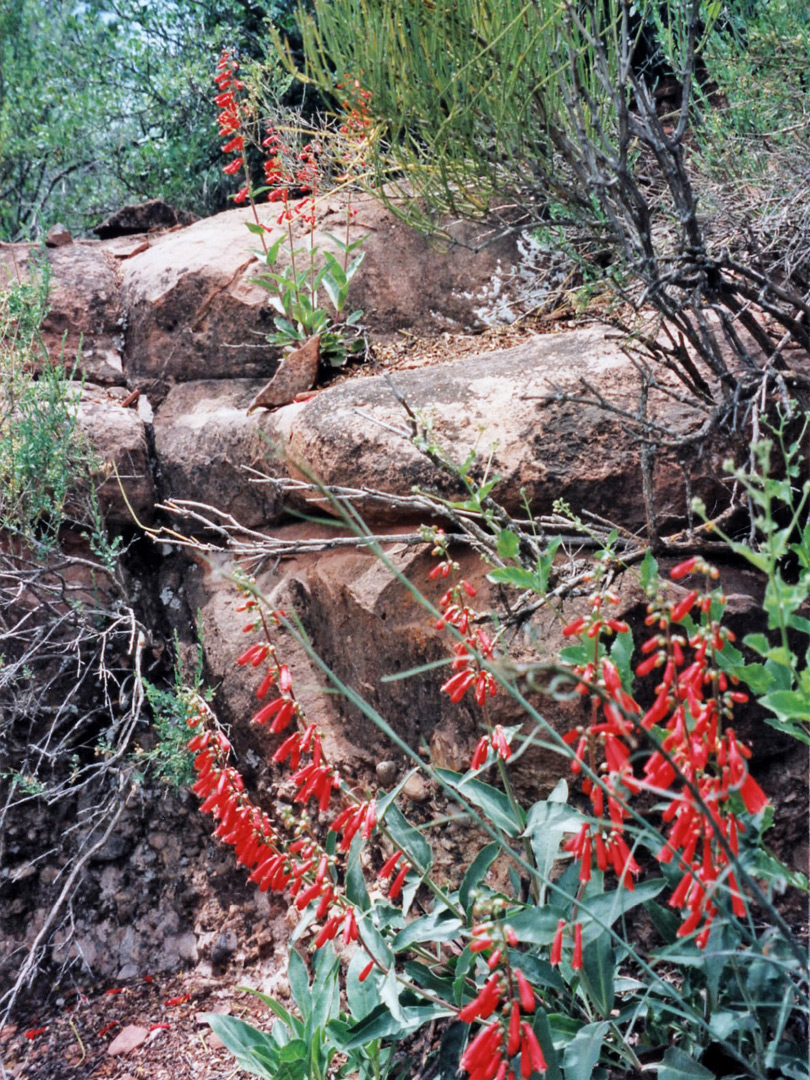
43 455
550 108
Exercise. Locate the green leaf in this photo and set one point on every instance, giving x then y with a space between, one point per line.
325 996
254 1050
757 677
389 995
354 266
666 922
382 1024
299 983
287 1018
582 1053
758 643
538 972
440 925
362 997
788 704
356 892
621 653
255 228
355 317
516 576
678 1065
648 573
409 839
563 1029
599 972
542 1030
332 291
476 872
295 1051
609 906
547 823
493 802
374 942
508 544
724 1023
451 1049
535 926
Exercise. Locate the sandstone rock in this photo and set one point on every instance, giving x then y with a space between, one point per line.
58 236
507 402
141 217
205 442
195 310
192 313
544 446
296 374
85 320
128 1039
118 437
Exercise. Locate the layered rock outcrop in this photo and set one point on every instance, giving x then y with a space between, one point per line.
169 328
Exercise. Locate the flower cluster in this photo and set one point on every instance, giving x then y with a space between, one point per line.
354 132
287 857
456 611
230 120
286 173
507 993
700 765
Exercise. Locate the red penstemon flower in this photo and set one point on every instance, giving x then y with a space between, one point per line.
693 698
507 993
276 860
469 654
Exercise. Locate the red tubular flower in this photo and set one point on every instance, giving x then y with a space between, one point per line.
682 609
398 882
531 1056
481 944
350 931
480 753
251 653
500 743
290 748
269 710
283 717
752 795
387 867
575 627
481 1048
683 568
556 946
266 683
307 895
652 661
364 974
484 1005
329 931
576 963
458 685
525 991
514 1030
